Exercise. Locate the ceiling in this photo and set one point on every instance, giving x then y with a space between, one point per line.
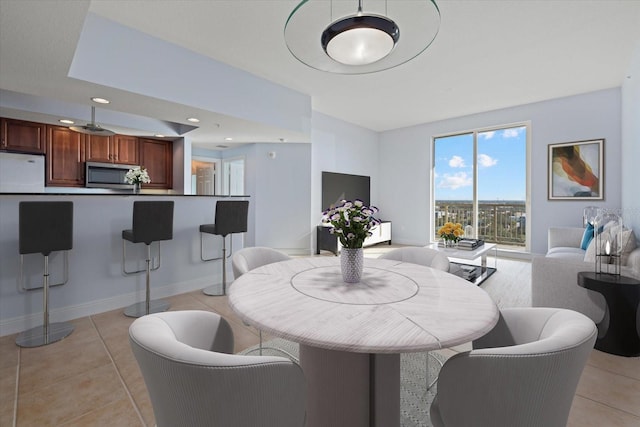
488 55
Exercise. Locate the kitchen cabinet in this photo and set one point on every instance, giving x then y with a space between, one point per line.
157 157
65 156
22 136
112 149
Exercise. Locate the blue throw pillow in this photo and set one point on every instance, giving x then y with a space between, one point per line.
587 236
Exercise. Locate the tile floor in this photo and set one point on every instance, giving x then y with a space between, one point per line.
91 377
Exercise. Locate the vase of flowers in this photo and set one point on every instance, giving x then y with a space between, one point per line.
137 176
352 222
451 234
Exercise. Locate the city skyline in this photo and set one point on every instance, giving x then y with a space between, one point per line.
501 161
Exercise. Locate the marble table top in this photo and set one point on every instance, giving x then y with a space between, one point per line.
397 307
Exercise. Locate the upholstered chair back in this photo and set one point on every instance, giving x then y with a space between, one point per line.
523 373
194 380
418 255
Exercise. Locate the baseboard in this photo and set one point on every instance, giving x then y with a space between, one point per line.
22 323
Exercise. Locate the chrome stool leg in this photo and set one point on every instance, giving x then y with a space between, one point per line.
49 332
213 290
147 306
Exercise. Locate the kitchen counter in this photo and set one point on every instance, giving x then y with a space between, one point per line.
96 283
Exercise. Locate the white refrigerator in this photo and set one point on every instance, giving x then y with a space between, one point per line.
21 173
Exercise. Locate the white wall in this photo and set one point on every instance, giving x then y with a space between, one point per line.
280 194
631 144
404 172
338 146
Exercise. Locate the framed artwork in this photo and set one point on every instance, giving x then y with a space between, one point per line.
576 170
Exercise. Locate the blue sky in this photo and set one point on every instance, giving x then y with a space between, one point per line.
501 166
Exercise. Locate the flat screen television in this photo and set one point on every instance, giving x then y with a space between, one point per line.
339 186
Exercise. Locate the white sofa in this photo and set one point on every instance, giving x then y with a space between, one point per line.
554 276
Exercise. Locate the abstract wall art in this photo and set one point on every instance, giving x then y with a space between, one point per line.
576 170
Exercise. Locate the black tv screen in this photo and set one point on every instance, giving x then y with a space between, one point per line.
341 186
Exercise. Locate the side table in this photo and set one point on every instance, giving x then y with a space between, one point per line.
619 330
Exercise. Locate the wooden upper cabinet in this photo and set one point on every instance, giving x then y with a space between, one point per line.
99 148
19 135
157 157
126 149
112 149
65 157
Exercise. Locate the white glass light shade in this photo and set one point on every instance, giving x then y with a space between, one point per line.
360 46
417 20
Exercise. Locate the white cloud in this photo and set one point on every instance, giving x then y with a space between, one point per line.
487 135
456 162
511 133
455 181
485 161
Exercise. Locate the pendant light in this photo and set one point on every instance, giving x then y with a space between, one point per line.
360 39
92 128
328 36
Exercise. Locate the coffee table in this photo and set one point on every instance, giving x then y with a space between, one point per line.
480 252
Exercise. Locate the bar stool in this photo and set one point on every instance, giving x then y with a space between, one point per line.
152 222
231 217
45 227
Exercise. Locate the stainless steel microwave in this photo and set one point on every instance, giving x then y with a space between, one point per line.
106 175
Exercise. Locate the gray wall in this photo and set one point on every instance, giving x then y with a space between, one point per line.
404 170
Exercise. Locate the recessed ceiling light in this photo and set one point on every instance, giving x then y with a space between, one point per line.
100 100
193 120
228 139
66 121
159 135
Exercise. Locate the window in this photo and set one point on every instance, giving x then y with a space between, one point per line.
480 181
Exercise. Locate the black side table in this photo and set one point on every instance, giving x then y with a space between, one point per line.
618 332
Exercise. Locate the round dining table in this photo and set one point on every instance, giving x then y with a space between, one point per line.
351 335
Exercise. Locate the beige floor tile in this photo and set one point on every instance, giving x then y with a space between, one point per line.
83 333
187 302
120 413
626 366
9 351
219 304
588 413
112 323
71 398
8 381
610 389
65 362
138 391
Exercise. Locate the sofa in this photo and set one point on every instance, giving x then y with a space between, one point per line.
554 276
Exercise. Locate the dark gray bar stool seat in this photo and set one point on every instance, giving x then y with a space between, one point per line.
152 222
231 217
45 227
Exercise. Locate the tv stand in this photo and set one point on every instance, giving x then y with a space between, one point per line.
329 242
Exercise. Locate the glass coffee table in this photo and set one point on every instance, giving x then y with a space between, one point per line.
471 272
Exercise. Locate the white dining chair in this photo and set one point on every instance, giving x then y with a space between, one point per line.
250 258
523 373
193 379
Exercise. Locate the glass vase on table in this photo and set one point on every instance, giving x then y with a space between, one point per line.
351 264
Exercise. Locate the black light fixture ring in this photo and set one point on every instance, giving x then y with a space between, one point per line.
360 21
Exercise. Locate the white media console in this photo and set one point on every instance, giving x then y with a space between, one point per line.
328 242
